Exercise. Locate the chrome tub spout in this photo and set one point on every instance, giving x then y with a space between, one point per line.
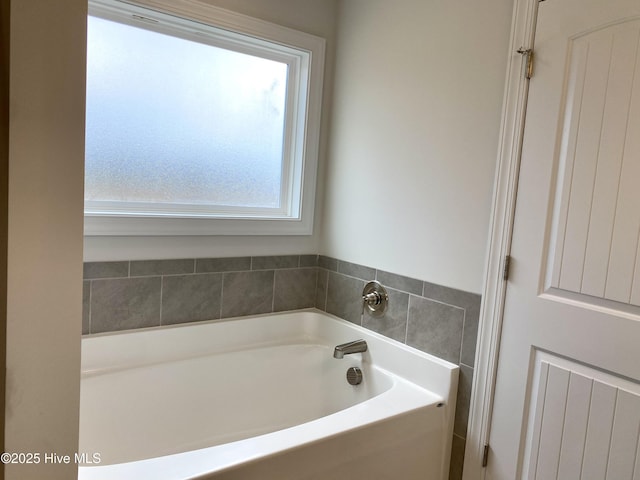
356 346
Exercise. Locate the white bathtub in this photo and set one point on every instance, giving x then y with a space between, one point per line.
262 398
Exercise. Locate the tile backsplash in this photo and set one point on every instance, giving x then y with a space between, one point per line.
147 293
435 319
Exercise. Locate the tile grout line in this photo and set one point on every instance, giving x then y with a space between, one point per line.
464 323
406 328
211 272
90 295
161 293
315 290
326 294
221 295
273 293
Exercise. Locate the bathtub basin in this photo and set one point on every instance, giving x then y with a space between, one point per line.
262 398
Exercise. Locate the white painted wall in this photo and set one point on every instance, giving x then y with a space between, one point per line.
44 287
414 134
311 16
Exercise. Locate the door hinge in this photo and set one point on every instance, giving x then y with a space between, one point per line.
506 267
528 53
485 455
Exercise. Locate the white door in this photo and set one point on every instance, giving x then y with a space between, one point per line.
567 400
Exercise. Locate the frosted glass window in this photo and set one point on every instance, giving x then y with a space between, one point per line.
172 120
199 121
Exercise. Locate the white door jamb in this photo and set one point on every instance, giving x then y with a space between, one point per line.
500 231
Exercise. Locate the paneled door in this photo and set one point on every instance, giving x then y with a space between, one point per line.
567 399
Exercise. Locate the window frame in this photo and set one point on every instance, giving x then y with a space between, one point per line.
304 53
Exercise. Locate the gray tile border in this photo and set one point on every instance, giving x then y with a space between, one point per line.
86 307
457 458
465 380
247 293
470 335
321 289
144 268
400 282
355 270
393 323
93 270
471 304
344 297
308 261
191 298
125 303
450 296
225 264
274 262
294 289
328 263
435 328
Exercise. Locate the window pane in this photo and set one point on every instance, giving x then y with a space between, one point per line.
171 120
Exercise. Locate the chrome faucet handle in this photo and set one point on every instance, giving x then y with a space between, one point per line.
375 299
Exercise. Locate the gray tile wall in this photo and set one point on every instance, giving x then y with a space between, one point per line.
435 319
135 294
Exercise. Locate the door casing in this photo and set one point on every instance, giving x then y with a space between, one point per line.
500 232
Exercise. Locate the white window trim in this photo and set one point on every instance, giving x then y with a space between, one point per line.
296 218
